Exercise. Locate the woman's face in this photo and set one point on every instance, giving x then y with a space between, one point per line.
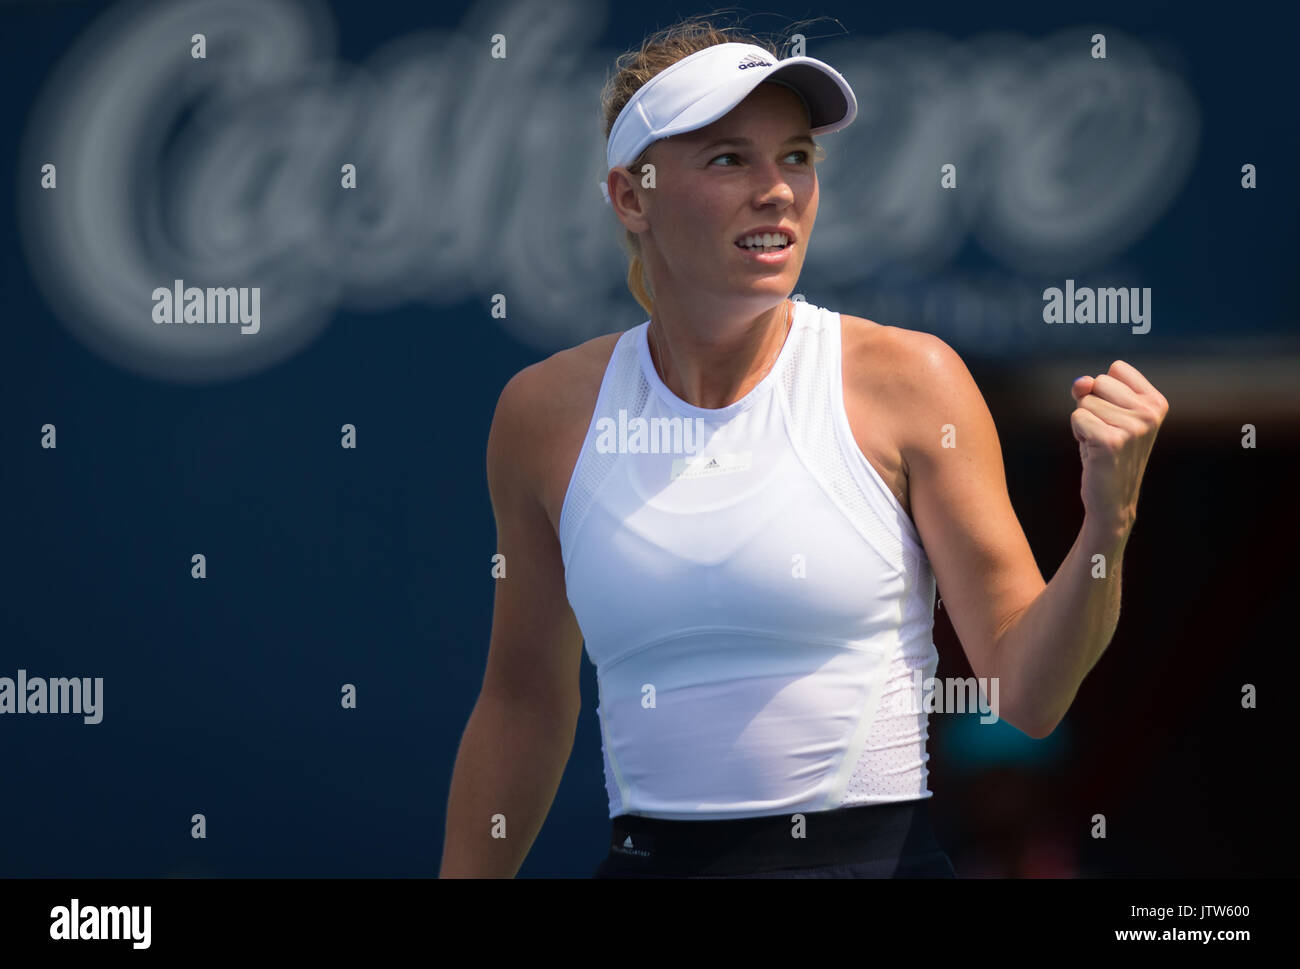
752 168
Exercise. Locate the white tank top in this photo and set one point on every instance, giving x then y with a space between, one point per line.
755 610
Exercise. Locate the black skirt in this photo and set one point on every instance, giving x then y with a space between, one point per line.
892 840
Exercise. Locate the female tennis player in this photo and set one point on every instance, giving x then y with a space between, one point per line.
743 506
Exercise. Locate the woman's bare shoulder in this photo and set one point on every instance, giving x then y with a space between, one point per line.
885 355
566 380
542 418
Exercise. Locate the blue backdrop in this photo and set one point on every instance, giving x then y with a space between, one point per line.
371 565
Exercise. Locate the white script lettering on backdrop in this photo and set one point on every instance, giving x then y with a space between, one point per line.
478 175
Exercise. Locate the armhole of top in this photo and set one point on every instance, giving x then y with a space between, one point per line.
606 382
862 469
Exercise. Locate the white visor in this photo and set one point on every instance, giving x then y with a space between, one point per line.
698 90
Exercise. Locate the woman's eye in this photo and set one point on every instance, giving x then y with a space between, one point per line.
802 158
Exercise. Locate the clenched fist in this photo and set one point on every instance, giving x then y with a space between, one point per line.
1115 423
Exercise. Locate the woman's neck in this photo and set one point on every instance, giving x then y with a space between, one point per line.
713 363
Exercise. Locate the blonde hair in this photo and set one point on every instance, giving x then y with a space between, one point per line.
633 69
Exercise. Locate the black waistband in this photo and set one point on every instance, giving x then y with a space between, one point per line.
864 833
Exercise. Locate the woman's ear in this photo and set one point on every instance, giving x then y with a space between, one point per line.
620 184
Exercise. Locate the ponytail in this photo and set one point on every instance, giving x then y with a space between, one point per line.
637 281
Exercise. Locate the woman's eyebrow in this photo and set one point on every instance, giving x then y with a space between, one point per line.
747 143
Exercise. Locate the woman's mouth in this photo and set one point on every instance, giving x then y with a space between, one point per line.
767 249
765 242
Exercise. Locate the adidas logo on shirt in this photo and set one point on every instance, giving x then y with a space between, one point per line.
628 848
701 467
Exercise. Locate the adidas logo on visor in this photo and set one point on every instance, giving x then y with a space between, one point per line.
753 60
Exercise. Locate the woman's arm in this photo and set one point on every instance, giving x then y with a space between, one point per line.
1039 639
1054 643
520 734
